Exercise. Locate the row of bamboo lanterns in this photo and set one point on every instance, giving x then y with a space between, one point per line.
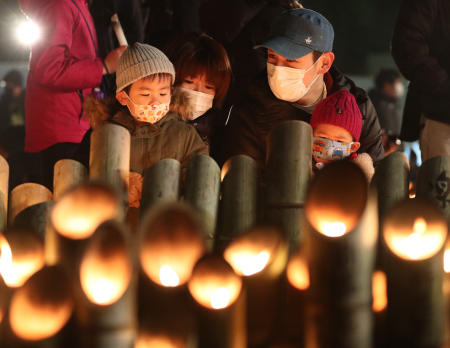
283 261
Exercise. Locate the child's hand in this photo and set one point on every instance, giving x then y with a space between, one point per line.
135 189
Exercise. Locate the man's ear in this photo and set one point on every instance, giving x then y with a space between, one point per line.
122 98
355 146
326 60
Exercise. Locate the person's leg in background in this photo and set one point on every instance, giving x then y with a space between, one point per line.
434 139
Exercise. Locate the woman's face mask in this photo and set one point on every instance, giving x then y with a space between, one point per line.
330 150
287 83
148 113
199 102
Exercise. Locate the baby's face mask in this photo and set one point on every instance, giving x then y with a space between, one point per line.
330 150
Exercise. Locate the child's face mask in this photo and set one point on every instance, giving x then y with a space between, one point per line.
330 150
287 83
198 101
148 113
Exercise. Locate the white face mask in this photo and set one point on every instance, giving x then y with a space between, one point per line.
199 102
287 83
148 113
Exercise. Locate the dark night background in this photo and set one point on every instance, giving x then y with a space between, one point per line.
363 31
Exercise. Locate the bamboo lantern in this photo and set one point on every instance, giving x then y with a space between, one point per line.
67 173
202 192
35 218
391 179
22 256
221 314
41 308
415 233
107 312
340 249
109 159
24 196
161 183
259 256
289 148
171 243
74 218
433 183
239 204
4 185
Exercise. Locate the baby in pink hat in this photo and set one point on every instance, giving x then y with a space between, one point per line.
336 123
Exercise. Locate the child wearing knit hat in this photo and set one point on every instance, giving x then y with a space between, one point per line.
144 80
336 122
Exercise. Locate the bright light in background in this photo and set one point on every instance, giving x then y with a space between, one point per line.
27 32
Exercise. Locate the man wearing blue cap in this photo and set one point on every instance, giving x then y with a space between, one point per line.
299 75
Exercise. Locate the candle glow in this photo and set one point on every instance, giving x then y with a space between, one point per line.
297 272
168 276
332 229
379 291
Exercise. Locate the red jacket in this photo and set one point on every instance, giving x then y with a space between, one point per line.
62 62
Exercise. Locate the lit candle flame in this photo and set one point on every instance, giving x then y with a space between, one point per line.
220 298
447 260
102 291
168 276
379 291
5 260
333 229
298 273
246 262
414 240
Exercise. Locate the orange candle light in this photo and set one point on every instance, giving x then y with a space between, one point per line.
340 246
217 288
42 307
415 232
297 271
171 243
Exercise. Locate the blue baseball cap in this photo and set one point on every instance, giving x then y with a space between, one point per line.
298 32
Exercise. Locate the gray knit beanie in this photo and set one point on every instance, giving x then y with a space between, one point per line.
141 60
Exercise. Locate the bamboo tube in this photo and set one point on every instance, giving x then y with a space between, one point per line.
202 192
221 311
290 149
415 232
74 218
259 255
35 217
110 155
68 173
239 204
41 309
391 180
24 196
4 184
161 183
433 183
340 250
106 311
118 30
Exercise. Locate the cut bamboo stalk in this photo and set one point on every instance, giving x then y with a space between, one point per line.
259 255
392 182
239 204
106 310
24 196
415 232
68 173
110 155
433 183
161 183
35 217
202 192
4 186
340 249
221 304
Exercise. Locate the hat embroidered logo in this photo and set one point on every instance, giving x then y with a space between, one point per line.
308 40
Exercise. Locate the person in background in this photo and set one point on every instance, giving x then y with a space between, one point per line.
64 68
130 17
203 74
336 122
386 98
299 76
421 50
12 129
144 82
